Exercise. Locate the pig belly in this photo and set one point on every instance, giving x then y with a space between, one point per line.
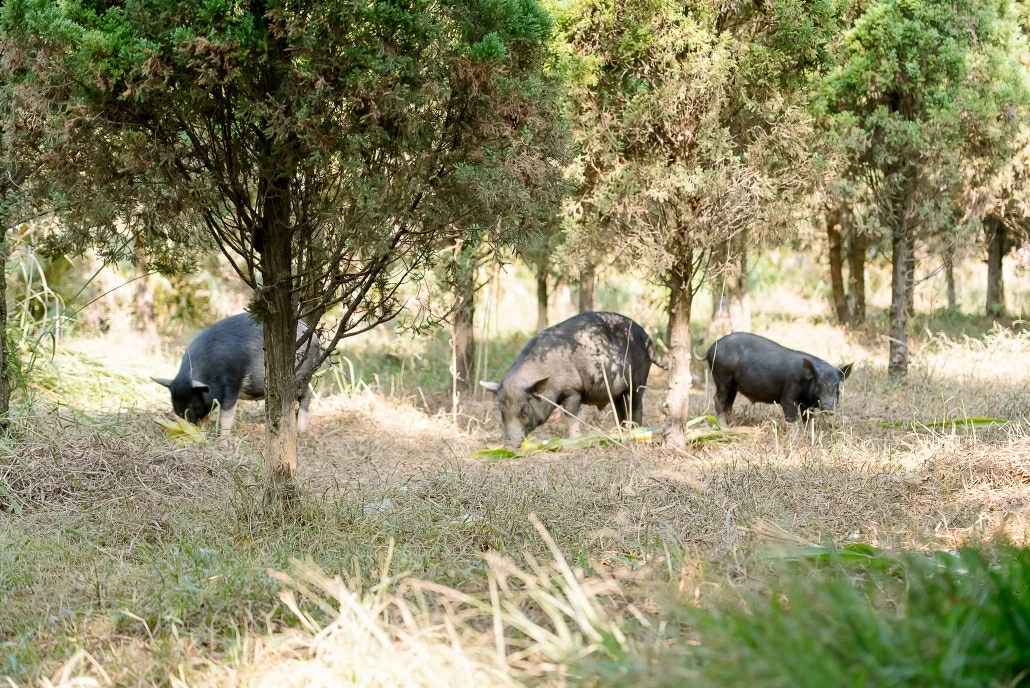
248 391
599 394
756 396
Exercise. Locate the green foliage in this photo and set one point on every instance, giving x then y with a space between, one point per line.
690 120
352 138
923 90
862 618
949 622
862 557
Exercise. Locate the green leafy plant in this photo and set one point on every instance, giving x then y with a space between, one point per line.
596 439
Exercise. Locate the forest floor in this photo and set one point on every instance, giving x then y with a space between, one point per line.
130 561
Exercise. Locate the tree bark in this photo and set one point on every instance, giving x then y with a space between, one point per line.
910 275
541 297
856 276
949 277
462 330
586 287
282 497
146 321
897 365
273 239
833 235
677 399
995 259
5 373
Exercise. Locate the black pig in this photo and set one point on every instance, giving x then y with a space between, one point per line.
591 358
765 372
226 362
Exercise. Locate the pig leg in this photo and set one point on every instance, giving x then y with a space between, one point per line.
725 394
572 405
302 413
226 416
629 406
622 408
638 407
790 408
227 411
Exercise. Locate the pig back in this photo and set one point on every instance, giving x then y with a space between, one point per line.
309 351
235 347
235 343
597 355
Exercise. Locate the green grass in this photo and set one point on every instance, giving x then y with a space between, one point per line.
967 624
957 621
186 570
404 365
155 560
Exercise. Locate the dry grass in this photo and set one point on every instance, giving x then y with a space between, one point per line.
153 559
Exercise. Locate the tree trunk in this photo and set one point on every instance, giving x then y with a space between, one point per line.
995 255
910 275
856 276
676 401
897 365
146 322
840 301
586 288
464 336
541 298
949 277
282 497
5 373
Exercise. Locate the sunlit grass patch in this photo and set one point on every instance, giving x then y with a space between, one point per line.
154 558
907 619
81 380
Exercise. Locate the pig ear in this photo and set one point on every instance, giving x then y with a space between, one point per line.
809 369
538 386
199 386
163 381
494 387
846 369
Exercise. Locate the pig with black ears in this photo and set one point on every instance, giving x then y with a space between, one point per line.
593 358
765 372
225 363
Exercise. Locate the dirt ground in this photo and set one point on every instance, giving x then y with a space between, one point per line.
852 477
151 557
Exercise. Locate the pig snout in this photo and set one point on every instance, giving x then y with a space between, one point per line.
513 435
